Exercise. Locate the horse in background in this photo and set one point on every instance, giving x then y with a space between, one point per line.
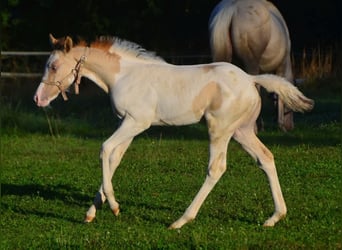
253 35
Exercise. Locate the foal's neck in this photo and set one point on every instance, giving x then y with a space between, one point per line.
99 66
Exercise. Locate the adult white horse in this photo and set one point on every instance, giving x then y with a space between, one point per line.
145 91
253 35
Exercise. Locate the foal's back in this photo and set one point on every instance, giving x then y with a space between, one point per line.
187 93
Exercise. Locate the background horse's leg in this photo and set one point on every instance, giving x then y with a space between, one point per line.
285 115
259 124
247 138
217 166
100 197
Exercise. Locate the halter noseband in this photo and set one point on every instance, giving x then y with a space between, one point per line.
77 77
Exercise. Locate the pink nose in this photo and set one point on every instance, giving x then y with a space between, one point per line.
38 101
35 99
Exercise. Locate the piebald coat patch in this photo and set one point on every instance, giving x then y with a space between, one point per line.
210 97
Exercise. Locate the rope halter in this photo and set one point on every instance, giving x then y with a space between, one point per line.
77 77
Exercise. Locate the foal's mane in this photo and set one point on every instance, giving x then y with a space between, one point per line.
113 44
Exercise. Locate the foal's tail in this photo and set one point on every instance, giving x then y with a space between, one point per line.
287 92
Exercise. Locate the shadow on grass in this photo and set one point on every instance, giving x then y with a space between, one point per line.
317 136
47 192
312 137
61 193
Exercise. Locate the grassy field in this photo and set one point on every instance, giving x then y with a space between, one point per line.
50 171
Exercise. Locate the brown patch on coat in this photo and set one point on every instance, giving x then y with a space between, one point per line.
117 67
208 67
103 45
233 76
267 153
210 97
217 167
81 43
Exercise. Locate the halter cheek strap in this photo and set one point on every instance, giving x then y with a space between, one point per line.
76 72
64 95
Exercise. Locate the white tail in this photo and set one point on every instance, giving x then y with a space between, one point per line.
219 23
287 92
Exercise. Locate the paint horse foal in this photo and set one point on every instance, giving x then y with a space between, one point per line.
253 34
145 91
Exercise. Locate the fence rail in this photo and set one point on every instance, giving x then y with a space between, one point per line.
22 53
25 53
20 75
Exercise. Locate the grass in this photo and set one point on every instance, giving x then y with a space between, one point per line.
50 172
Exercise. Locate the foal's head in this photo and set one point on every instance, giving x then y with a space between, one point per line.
61 70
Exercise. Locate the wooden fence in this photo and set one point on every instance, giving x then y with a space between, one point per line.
21 54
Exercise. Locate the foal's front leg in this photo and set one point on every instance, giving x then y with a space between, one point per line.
112 151
100 197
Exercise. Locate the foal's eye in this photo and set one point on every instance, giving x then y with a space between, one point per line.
53 67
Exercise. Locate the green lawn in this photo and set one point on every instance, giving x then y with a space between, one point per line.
50 172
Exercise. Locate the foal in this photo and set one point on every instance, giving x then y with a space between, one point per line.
145 91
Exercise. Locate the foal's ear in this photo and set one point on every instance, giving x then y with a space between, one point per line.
68 44
64 43
53 41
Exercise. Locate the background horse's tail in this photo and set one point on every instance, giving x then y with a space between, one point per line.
219 26
288 93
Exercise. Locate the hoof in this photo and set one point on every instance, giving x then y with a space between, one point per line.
179 223
274 219
269 223
116 211
89 219
173 227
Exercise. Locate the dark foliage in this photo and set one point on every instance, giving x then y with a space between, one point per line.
165 26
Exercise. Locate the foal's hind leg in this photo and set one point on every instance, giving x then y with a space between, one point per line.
247 138
217 166
100 197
